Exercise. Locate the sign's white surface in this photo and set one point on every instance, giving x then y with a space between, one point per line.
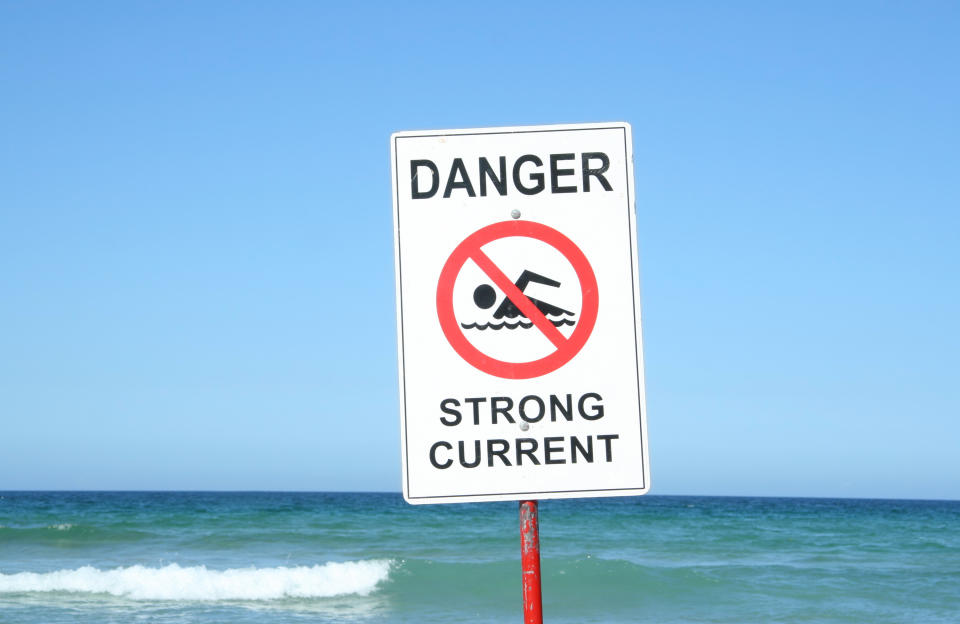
520 350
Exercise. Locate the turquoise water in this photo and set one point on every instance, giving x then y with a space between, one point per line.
288 557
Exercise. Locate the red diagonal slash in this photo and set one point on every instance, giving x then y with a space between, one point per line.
519 299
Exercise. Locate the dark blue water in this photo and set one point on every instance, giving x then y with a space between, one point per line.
290 557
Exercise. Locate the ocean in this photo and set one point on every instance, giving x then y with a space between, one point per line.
336 557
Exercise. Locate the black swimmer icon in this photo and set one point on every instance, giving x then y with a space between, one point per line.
485 296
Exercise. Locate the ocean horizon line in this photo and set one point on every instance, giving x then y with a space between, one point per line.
398 493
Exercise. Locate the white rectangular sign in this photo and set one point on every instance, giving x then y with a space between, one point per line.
518 307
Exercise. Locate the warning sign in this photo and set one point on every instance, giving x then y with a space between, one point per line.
520 354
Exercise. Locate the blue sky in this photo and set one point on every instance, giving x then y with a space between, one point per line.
196 257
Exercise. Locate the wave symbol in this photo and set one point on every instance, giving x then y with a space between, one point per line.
517 325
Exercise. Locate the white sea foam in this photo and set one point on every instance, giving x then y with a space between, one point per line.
173 582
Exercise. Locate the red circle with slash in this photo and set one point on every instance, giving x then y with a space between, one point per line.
565 348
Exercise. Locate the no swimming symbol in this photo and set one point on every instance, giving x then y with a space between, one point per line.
516 303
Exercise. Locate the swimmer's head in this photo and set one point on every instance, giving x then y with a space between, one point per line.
484 296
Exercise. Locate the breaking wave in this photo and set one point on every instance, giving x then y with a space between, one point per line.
518 324
173 582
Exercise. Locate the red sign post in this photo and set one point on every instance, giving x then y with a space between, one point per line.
530 562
